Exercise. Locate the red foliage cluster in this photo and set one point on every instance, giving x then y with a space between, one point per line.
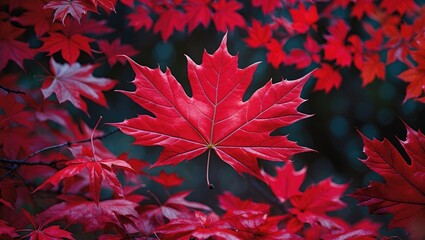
53 168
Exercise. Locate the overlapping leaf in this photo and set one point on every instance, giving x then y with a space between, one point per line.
90 215
403 193
12 49
98 171
215 118
70 82
310 206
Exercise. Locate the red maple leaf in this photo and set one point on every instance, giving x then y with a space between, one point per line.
362 7
42 232
111 50
11 49
304 18
258 35
140 18
311 205
399 44
275 53
399 6
70 82
303 58
7 231
92 216
225 16
37 16
267 6
200 226
176 206
99 170
106 4
215 118
197 12
63 8
372 67
69 45
335 47
229 202
170 19
168 179
363 230
327 78
415 77
287 181
259 226
407 179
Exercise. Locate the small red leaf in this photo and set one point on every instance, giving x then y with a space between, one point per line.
258 35
62 8
69 46
225 16
304 18
70 82
287 181
168 179
327 78
111 50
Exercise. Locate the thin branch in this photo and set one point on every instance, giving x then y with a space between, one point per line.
17 163
8 90
8 172
68 144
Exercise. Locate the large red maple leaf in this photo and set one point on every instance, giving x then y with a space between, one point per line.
403 193
70 82
215 117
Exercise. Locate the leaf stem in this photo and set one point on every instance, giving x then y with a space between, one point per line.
91 139
155 197
210 186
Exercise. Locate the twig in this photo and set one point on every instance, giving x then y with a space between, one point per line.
17 163
8 90
8 172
